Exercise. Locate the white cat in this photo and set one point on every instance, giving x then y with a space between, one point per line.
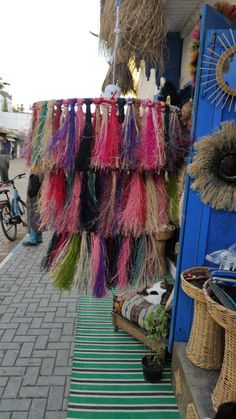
154 295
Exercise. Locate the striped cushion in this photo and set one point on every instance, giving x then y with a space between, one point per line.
133 307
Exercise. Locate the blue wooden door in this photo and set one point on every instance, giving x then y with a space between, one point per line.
203 229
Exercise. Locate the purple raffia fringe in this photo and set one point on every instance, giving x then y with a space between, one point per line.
130 137
99 289
60 134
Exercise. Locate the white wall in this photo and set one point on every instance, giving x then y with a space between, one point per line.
146 89
186 54
16 120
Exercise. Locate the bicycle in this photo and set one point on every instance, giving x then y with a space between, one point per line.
12 212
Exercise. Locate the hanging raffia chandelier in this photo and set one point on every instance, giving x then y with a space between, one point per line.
143 29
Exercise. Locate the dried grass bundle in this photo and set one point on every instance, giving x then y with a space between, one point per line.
210 150
123 77
143 27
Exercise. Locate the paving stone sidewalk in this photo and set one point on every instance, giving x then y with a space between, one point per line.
37 325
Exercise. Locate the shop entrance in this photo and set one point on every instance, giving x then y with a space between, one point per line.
205 229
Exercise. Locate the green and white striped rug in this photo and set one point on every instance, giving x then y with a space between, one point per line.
107 380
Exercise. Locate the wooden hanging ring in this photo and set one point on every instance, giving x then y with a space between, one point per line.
219 71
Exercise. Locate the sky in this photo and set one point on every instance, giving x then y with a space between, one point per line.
47 51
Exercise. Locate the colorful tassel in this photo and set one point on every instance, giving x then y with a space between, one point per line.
57 117
83 270
130 139
158 122
138 260
148 150
133 215
73 209
48 131
61 133
69 159
152 262
88 202
64 272
113 246
123 264
83 156
173 198
114 139
38 135
147 265
105 150
99 264
162 200
176 149
95 255
57 146
99 152
57 243
121 109
120 188
97 118
107 207
79 124
54 197
152 201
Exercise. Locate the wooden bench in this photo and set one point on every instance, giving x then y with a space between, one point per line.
134 330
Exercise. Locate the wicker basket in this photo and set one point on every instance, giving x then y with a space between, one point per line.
206 342
225 390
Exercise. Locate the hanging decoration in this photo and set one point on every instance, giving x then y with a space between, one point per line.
218 71
104 189
214 168
225 8
135 19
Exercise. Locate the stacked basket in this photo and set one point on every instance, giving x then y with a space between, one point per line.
225 390
206 342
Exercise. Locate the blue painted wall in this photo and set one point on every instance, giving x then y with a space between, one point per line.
173 54
203 229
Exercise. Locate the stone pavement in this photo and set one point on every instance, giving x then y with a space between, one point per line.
37 325
16 166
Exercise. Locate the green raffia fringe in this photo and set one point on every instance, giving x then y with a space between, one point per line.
172 191
64 272
91 185
38 135
138 260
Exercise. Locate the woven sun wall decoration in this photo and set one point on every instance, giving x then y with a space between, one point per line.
214 168
104 190
218 72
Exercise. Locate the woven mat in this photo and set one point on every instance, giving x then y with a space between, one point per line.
107 380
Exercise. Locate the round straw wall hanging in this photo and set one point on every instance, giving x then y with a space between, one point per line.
218 72
214 168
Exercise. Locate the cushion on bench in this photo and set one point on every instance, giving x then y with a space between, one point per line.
133 307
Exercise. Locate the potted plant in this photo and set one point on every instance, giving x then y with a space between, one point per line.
156 326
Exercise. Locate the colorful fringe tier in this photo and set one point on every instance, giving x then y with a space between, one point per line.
104 189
